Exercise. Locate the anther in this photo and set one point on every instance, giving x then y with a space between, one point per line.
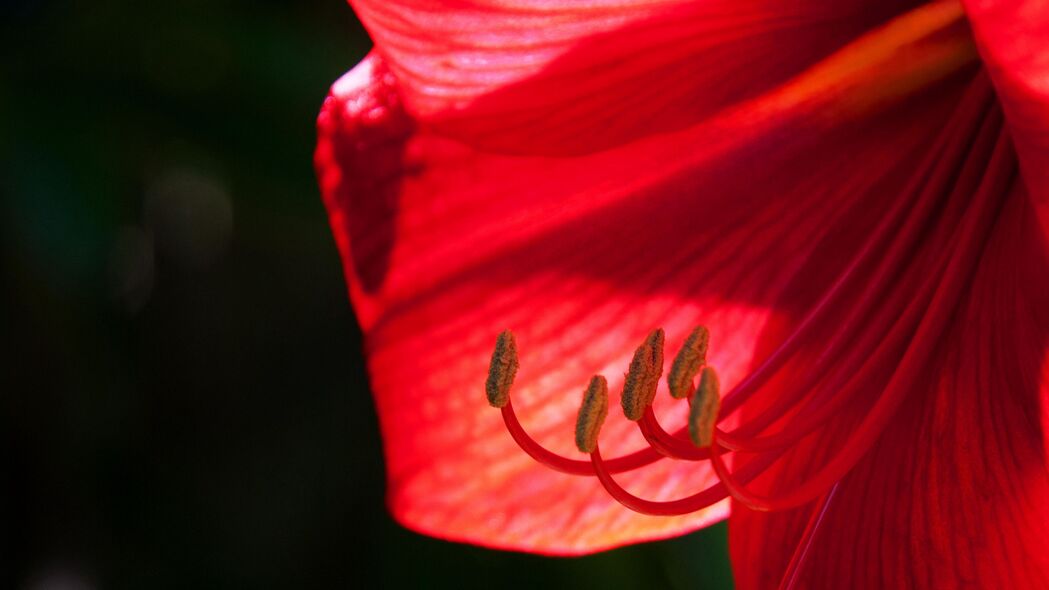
703 414
691 357
639 388
502 370
591 414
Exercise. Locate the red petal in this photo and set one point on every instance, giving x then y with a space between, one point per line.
953 493
446 245
1012 37
538 76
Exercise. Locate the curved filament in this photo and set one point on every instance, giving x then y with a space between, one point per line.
686 505
557 462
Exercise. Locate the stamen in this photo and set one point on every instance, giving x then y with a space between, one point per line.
639 388
502 370
668 444
859 370
900 228
736 490
501 375
691 357
703 414
967 245
686 505
904 351
533 449
591 414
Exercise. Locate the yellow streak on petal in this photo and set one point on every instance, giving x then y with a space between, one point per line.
900 57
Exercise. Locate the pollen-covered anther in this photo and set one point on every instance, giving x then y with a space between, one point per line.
642 379
703 414
592 414
689 360
502 370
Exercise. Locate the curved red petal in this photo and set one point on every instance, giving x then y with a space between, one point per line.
537 76
739 222
1012 40
952 494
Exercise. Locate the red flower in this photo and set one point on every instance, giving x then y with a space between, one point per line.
852 196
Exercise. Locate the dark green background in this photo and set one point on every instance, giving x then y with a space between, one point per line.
184 404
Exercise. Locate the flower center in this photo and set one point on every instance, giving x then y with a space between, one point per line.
699 441
877 326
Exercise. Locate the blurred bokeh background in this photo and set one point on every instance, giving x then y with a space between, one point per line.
183 398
